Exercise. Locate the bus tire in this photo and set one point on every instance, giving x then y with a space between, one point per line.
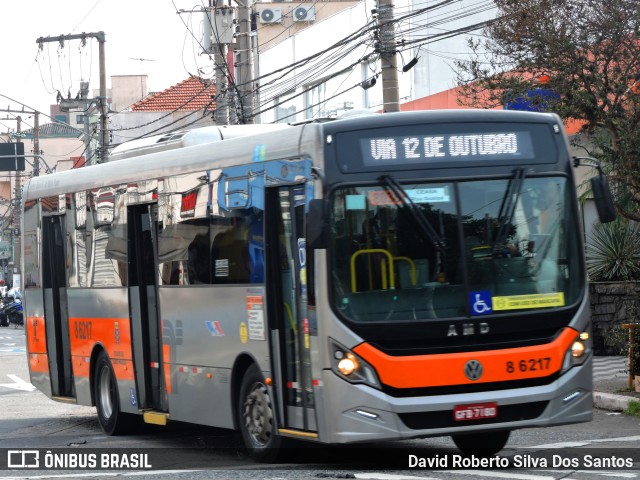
481 444
255 418
112 420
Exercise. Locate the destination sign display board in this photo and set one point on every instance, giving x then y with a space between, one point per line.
446 146
386 150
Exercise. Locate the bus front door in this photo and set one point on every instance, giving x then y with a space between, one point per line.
143 304
55 305
288 305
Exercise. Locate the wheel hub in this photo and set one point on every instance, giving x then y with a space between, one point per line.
257 414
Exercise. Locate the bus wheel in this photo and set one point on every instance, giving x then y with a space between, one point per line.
255 417
481 444
111 419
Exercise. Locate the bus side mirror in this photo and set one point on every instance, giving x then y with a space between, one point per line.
603 198
317 224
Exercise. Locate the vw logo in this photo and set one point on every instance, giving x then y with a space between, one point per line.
473 369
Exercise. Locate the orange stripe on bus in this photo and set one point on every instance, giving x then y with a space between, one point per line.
166 354
123 369
448 369
81 366
114 334
38 362
36 335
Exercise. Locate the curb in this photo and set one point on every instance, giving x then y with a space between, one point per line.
610 401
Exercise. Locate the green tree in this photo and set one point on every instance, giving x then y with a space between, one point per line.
588 51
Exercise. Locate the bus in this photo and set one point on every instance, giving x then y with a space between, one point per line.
366 279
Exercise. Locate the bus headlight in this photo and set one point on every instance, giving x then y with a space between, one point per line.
351 367
348 364
578 351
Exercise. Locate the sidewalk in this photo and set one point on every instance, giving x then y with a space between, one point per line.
610 384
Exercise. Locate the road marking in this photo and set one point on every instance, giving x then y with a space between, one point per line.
18 384
557 445
609 474
583 443
492 474
634 438
389 476
105 474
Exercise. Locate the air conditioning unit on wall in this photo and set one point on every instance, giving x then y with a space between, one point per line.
304 14
271 15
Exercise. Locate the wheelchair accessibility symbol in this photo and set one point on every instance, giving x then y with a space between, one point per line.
480 302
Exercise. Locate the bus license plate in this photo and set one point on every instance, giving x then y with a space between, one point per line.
477 411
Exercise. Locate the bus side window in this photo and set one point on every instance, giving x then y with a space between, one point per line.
237 250
230 256
199 260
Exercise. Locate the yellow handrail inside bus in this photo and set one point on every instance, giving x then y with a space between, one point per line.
414 274
290 315
392 282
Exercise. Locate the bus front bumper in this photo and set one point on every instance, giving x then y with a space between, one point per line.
359 413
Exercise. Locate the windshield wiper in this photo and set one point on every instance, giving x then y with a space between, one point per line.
414 210
508 206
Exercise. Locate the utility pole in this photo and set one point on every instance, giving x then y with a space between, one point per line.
36 143
388 58
244 61
15 217
86 105
218 35
102 99
16 203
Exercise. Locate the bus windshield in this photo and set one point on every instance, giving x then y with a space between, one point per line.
488 247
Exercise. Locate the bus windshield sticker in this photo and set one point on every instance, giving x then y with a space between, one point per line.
383 198
480 302
540 300
356 202
222 268
429 195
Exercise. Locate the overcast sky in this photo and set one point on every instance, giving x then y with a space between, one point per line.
148 29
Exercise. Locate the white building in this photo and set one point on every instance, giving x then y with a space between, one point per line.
326 79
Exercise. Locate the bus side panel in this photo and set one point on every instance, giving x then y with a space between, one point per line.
111 330
37 340
203 332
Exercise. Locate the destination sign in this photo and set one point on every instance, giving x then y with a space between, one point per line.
516 145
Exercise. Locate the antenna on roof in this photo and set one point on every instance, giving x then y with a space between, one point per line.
142 94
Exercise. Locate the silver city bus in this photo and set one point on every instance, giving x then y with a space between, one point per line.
374 278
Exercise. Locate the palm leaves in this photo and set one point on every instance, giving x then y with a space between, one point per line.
613 252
